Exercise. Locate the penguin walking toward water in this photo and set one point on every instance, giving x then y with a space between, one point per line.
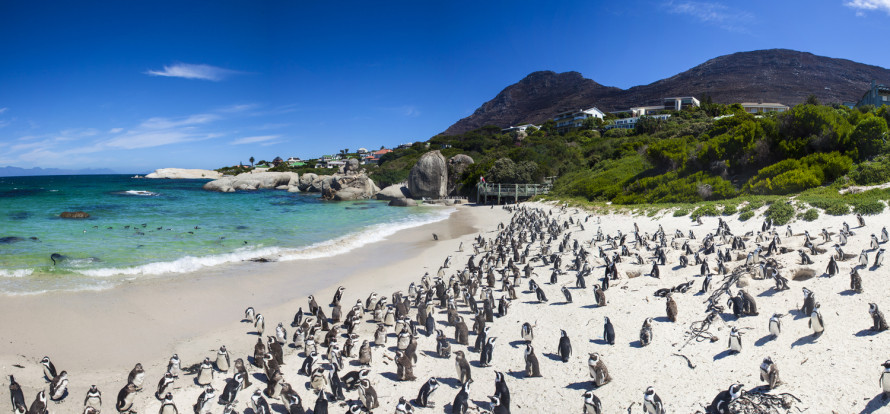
565 346
652 402
423 396
608 332
721 402
592 403
646 332
817 324
884 381
769 372
735 341
598 371
775 325
878 322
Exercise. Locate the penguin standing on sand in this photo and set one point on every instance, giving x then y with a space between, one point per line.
125 398
565 346
49 370
598 371
735 341
567 294
93 398
462 366
174 366
487 351
532 368
884 381
39 404
863 258
609 332
879 258
423 397
137 377
222 359
809 302
527 332
167 405
163 385
775 326
230 392
879 323
592 404
501 390
832 268
259 350
646 332
721 402
205 373
58 388
205 401
260 405
769 372
671 308
855 281
461 400
368 395
260 324
652 402
706 284
240 368
816 321
16 396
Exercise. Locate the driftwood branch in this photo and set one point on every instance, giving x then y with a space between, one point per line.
688 362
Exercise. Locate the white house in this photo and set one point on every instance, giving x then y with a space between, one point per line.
631 123
575 119
759 108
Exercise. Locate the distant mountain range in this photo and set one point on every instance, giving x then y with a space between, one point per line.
775 75
22 172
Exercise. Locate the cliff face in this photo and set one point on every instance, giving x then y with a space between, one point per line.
776 75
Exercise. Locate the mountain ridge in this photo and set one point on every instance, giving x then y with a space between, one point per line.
772 75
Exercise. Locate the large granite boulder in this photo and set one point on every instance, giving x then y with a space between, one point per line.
393 192
183 173
429 177
350 187
352 166
254 181
402 202
306 181
322 182
456 167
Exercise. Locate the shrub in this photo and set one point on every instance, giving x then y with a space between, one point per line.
746 215
780 213
868 207
792 176
730 210
708 210
752 205
680 212
871 172
810 215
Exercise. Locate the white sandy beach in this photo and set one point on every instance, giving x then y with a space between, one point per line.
99 336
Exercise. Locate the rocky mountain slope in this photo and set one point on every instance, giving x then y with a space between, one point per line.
776 75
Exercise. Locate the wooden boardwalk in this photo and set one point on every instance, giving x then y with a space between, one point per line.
513 192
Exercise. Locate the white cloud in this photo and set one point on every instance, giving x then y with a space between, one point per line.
166 123
869 5
115 130
2 110
712 13
237 108
135 140
254 140
194 71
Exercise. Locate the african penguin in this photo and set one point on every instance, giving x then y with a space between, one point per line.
652 402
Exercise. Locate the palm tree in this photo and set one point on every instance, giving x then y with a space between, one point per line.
251 161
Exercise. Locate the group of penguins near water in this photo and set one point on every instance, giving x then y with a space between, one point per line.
330 347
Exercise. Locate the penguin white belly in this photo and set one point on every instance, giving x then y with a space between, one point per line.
735 344
222 363
885 382
817 324
169 409
205 377
94 402
774 328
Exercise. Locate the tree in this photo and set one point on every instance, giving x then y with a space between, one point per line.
251 161
812 100
870 136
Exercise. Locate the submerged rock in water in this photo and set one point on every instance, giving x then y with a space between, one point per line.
10 239
74 215
402 202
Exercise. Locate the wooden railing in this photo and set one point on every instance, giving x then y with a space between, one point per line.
509 191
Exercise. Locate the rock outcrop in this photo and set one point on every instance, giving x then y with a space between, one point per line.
74 215
393 192
183 173
456 167
402 202
429 177
255 181
349 187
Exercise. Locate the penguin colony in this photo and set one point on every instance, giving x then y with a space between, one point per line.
429 319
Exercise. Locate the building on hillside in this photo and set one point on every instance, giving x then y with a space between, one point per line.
519 128
575 119
631 123
763 107
680 103
361 151
638 111
877 95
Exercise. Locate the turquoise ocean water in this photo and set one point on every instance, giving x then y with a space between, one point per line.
144 227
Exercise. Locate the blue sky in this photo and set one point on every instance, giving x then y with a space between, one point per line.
136 85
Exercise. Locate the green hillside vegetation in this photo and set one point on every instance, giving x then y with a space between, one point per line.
717 154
